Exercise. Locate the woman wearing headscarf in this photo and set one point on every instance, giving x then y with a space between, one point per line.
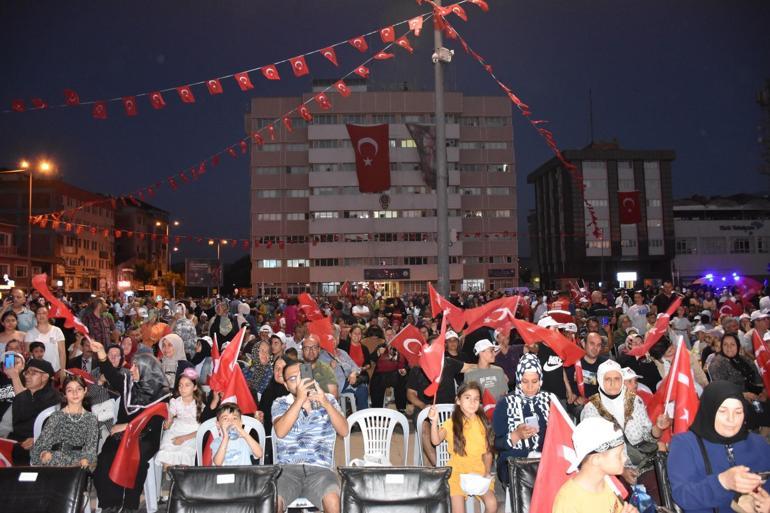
729 365
173 359
718 457
521 418
143 387
223 325
617 404
202 359
182 325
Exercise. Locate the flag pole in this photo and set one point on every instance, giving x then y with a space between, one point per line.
443 334
674 366
441 57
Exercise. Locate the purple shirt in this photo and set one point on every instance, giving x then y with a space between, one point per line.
510 361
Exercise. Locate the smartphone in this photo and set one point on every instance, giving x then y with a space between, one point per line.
532 422
306 371
604 320
9 360
764 475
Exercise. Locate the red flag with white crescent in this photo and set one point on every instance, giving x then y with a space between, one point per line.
761 358
322 328
567 350
409 342
629 207
330 55
362 71
387 34
214 86
658 330
309 307
71 98
359 43
270 72
431 361
243 80
372 151
157 101
58 309
129 104
125 466
345 289
6 452
439 304
185 94
99 110
404 43
415 25
488 402
342 88
499 313
17 105
299 66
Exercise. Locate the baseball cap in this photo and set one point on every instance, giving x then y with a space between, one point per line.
632 329
208 340
265 329
594 434
483 345
142 312
697 329
628 373
547 322
570 326
41 365
706 313
744 316
758 314
451 334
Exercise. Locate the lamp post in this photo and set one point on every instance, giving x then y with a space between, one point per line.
43 166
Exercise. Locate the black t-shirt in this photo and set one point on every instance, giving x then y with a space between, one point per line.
589 376
27 406
418 382
644 368
662 302
553 377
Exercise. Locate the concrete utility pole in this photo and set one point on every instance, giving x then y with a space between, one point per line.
441 56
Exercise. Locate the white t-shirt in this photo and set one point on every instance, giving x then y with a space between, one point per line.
638 316
50 340
361 311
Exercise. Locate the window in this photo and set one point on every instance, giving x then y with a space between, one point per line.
416 260
502 213
686 246
656 243
654 223
472 285
296 147
763 244
355 214
473 213
498 191
297 193
385 214
268 264
469 145
297 170
269 216
470 191
469 121
269 147
267 170
296 216
21 271
325 119
385 237
5 239
494 145
5 269
713 245
326 262
740 245
296 288
298 262
266 193
330 288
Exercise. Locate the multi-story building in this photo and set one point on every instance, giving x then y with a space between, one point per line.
566 246
12 263
81 257
316 230
725 237
144 238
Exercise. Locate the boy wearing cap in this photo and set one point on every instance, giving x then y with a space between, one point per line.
599 452
489 376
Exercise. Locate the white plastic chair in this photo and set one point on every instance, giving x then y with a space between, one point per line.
153 482
210 426
377 425
300 502
442 452
348 398
37 427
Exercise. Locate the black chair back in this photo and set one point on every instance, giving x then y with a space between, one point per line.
395 489
246 489
522 472
664 486
43 489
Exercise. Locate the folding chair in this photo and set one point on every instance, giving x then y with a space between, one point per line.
377 425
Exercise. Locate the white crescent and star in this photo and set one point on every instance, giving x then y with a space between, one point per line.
631 202
373 143
411 341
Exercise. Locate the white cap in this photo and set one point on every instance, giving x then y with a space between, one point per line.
142 312
570 326
764 303
698 329
707 313
451 334
759 314
628 373
744 316
208 340
483 345
632 329
281 336
594 434
547 321
722 299
265 328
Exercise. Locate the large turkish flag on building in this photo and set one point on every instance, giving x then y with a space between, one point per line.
370 144
629 207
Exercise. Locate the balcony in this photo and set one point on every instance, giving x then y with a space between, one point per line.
9 251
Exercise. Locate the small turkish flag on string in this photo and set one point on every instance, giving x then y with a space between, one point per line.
628 205
657 331
99 110
362 71
415 25
383 56
359 43
482 4
244 81
305 113
214 86
271 132
185 94
243 146
409 342
387 34
17 105
157 101
287 124
129 103
439 304
258 138
323 101
231 152
403 42
71 98
342 88
330 55
38 103
489 403
370 144
270 72
762 358
457 10
299 66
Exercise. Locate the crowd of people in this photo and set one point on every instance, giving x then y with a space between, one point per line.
140 352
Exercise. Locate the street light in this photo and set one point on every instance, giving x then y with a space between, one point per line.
44 167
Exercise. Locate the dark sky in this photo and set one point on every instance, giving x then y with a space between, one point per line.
681 75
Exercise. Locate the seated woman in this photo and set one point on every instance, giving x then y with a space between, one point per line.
70 435
173 359
730 365
718 457
617 404
521 418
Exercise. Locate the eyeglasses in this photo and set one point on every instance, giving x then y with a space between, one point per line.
310 348
32 372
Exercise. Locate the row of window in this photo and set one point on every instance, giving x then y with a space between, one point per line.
346 143
19 271
362 237
722 245
70 202
428 118
394 166
273 263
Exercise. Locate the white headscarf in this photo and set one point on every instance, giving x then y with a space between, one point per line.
615 405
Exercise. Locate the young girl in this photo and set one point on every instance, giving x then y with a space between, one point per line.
177 446
470 444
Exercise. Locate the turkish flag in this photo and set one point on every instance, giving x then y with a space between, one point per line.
438 304
38 103
362 71
359 43
730 309
6 452
129 103
431 360
482 4
323 101
17 105
270 72
322 328
99 110
762 358
372 150
185 94
89 380
71 98
287 123
628 205
657 331
342 88
157 101
344 290
299 66
561 345
409 343
237 391
309 307
387 34
489 403
415 25
224 368
679 389
330 55
243 80
58 309
383 56
495 314
126 463
304 111
403 42
214 86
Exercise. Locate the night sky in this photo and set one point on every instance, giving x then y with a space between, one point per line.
681 75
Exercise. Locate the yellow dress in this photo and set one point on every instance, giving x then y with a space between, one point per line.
475 447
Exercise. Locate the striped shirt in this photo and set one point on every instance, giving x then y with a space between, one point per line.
310 440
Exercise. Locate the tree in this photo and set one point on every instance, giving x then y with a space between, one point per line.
173 282
237 274
143 271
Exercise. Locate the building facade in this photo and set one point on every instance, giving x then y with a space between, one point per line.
564 244
722 236
12 263
144 241
313 230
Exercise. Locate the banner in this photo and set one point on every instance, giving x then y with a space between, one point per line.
203 272
372 149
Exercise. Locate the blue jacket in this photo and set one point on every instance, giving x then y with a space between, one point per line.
693 490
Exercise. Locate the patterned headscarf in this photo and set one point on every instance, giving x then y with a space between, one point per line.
527 363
